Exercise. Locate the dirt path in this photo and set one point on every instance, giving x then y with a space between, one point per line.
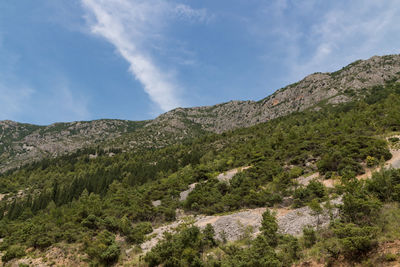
394 163
228 175
184 194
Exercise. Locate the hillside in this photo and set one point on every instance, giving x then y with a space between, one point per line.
21 143
341 86
24 143
81 210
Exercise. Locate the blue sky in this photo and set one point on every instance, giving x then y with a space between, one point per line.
72 60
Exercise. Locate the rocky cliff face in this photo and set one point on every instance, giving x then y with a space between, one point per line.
21 143
337 87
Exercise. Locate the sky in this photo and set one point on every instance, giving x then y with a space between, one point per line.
70 60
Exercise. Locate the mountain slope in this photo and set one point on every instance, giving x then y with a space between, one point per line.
104 207
337 87
22 143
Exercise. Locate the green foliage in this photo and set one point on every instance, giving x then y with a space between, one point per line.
309 237
289 250
314 190
102 248
138 232
390 257
76 199
355 241
385 185
371 161
360 208
182 249
295 172
13 252
269 228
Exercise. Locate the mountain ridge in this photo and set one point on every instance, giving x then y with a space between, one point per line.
21 143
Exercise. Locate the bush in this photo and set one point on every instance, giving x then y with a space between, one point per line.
111 254
309 237
289 249
42 241
13 252
90 222
138 233
371 161
360 208
356 241
103 248
390 257
295 172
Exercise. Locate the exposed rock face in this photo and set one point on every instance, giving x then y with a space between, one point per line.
22 143
294 221
183 195
337 87
234 226
227 176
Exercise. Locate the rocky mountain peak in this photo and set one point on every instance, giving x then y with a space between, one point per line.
22 143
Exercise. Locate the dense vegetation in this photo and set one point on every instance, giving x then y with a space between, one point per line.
351 238
79 199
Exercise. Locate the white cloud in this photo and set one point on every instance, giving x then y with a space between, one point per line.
20 102
324 36
23 102
13 101
67 104
190 14
133 26
357 29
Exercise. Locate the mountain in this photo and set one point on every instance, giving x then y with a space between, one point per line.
337 87
23 143
316 184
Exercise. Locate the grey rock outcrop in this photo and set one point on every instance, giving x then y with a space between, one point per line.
23 143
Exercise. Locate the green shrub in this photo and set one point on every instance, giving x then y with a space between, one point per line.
295 172
390 257
102 248
139 231
13 252
371 161
309 237
289 250
42 241
356 241
110 254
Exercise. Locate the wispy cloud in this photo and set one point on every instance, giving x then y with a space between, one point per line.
13 101
66 104
21 102
133 27
324 36
359 29
196 15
